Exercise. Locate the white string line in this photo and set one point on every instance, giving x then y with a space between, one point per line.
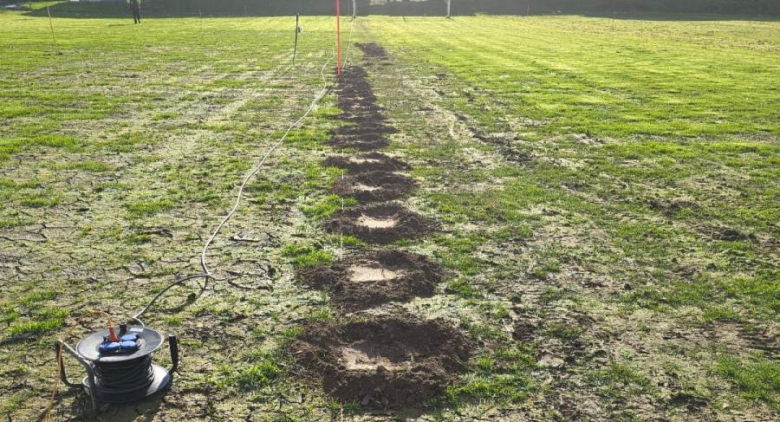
349 42
254 170
341 232
206 272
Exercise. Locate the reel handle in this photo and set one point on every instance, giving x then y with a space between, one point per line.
173 344
59 347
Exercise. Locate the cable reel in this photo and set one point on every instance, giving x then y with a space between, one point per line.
119 366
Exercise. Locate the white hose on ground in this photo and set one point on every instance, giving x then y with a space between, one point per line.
207 274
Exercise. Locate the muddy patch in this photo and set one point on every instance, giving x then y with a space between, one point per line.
369 128
372 50
562 337
381 224
360 117
378 186
367 142
355 94
369 162
385 362
364 137
690 402
374 278
366 129
725 233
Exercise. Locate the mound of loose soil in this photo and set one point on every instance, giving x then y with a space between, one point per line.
372 50
357 101
381 223
363 101
365 116
354 91
379 186
375 278
352 74
366 142
364 163
364 129
385 362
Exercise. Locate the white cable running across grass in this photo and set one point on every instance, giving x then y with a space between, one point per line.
254 170
248 177
207 275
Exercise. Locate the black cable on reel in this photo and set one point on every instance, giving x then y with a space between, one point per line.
126 377
122 379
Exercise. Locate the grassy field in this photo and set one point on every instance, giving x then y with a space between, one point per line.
609 192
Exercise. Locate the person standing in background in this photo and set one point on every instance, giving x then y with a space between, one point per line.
135 7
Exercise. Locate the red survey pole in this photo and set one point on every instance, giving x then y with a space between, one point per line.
338 37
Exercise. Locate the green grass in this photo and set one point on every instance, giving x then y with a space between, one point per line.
14 145
621 73
128 143
328 205
757 378
620 188
500 377
611 78
307 255
644 166
43 321
87 165
37 297
148 208
620 380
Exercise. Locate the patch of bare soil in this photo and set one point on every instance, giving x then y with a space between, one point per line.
378 186
364 137
374 278
372 50
368 142
671 207
725 233
355 94
384 362
369 162
361 117
560 336
691 403
364 129
381 224
357 101
565 340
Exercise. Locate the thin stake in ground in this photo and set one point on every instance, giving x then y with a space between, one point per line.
297 30
53 37
338 38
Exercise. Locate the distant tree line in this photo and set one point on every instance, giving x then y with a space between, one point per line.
469 7
464 7
418 7
523 7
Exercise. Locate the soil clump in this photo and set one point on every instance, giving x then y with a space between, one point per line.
381 224
384 362
369 162
378 186
374 278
